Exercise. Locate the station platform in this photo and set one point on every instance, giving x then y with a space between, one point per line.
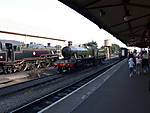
114 91
120 94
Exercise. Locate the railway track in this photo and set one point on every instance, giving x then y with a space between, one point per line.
27 84
41 103
12 88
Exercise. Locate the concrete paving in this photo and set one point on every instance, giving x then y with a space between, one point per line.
68 103
10 77
19 77
120 94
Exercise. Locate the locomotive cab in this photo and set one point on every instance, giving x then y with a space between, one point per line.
0 45
9 48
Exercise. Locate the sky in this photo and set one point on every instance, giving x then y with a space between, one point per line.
48 18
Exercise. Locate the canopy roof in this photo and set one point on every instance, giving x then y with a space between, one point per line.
127 20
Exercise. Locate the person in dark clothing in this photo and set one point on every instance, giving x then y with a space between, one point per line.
145 64
130 55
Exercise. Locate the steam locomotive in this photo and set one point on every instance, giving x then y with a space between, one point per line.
76 58
16 56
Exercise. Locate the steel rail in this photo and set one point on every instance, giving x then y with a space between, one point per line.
49 99
27 84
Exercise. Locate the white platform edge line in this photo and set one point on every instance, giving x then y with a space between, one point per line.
78 88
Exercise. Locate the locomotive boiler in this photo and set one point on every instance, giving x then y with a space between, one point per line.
76 58
16 56
70 52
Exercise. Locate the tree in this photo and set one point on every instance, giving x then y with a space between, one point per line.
114 48
91 46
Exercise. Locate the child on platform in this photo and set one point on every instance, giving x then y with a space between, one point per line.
131 66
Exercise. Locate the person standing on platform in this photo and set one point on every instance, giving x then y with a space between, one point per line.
149 57
130 55
145 64
131 66
138 65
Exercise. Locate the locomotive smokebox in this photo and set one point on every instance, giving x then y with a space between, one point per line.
66 52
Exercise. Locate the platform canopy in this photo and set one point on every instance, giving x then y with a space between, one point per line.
127 20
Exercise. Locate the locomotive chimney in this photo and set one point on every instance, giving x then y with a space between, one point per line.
69 43
48 44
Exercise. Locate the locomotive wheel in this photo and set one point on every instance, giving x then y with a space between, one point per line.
32 66
69 69
38 66
60 69
25 67
9 70
43 65
49 65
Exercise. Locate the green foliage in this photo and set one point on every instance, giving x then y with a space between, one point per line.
114 48
102 47
90 46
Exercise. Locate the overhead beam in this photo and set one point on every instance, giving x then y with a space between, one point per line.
134 19
137 30
105 6
91 3
143 35
126 12
139 5
114 5
136 35
140 26
28 35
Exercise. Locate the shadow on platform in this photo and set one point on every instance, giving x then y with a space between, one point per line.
120 94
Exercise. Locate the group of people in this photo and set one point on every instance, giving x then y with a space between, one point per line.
138 62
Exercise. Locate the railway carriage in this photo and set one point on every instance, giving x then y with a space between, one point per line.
123 53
